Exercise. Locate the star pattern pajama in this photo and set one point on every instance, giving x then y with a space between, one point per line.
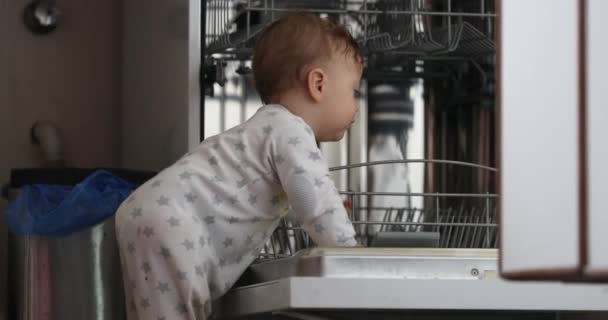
187 235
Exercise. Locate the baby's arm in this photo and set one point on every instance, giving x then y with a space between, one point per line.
304 176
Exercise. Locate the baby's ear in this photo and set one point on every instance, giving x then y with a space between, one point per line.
315 81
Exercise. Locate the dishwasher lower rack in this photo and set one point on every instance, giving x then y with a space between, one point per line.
445 220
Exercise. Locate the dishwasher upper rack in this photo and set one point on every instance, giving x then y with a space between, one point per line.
462 226
407 27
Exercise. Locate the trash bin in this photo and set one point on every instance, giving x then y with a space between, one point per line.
65 277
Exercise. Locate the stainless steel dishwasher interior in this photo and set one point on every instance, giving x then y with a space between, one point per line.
378 263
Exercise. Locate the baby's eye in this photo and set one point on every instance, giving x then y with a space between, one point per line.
357 93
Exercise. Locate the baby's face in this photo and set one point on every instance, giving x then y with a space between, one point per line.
341 103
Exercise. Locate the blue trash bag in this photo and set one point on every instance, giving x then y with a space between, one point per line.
56 210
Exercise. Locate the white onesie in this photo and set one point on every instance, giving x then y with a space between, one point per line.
188 234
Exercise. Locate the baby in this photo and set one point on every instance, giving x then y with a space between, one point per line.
187 235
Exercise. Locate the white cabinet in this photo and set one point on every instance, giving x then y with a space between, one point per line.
539 111
552 147
597 136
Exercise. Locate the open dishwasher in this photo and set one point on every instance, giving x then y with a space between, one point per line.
431 251
442 260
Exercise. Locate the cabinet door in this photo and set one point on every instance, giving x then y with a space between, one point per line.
539 145
597 138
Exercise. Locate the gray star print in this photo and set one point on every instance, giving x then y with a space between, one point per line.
329 211
213 161
165 252
210 220
130 247
173 221
342 239
240 146
216 146
294 141
267 129
255 220
162 287
222 262
318 182
241 130
275 200
188 244
183 162
161 318
299 170
185 175
181 308
279 159
145 267
217 200
238 259
197 304
272 113
233 220
228 242
319 228
163 201
191 197
148 232
181 275
233 200
249 239
314 156
253 199
199 271
241 183
201 241
136 212
145 303
156 183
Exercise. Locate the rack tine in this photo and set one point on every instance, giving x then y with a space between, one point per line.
286 240
410 218
387 217
400 218
463 230
443 229
437 208
453 241
487 211
475 234
451 230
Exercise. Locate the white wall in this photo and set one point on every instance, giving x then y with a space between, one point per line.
71 77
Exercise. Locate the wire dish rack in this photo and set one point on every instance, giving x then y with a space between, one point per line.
409 27
471 223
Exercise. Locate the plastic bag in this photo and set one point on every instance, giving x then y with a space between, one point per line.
60 210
